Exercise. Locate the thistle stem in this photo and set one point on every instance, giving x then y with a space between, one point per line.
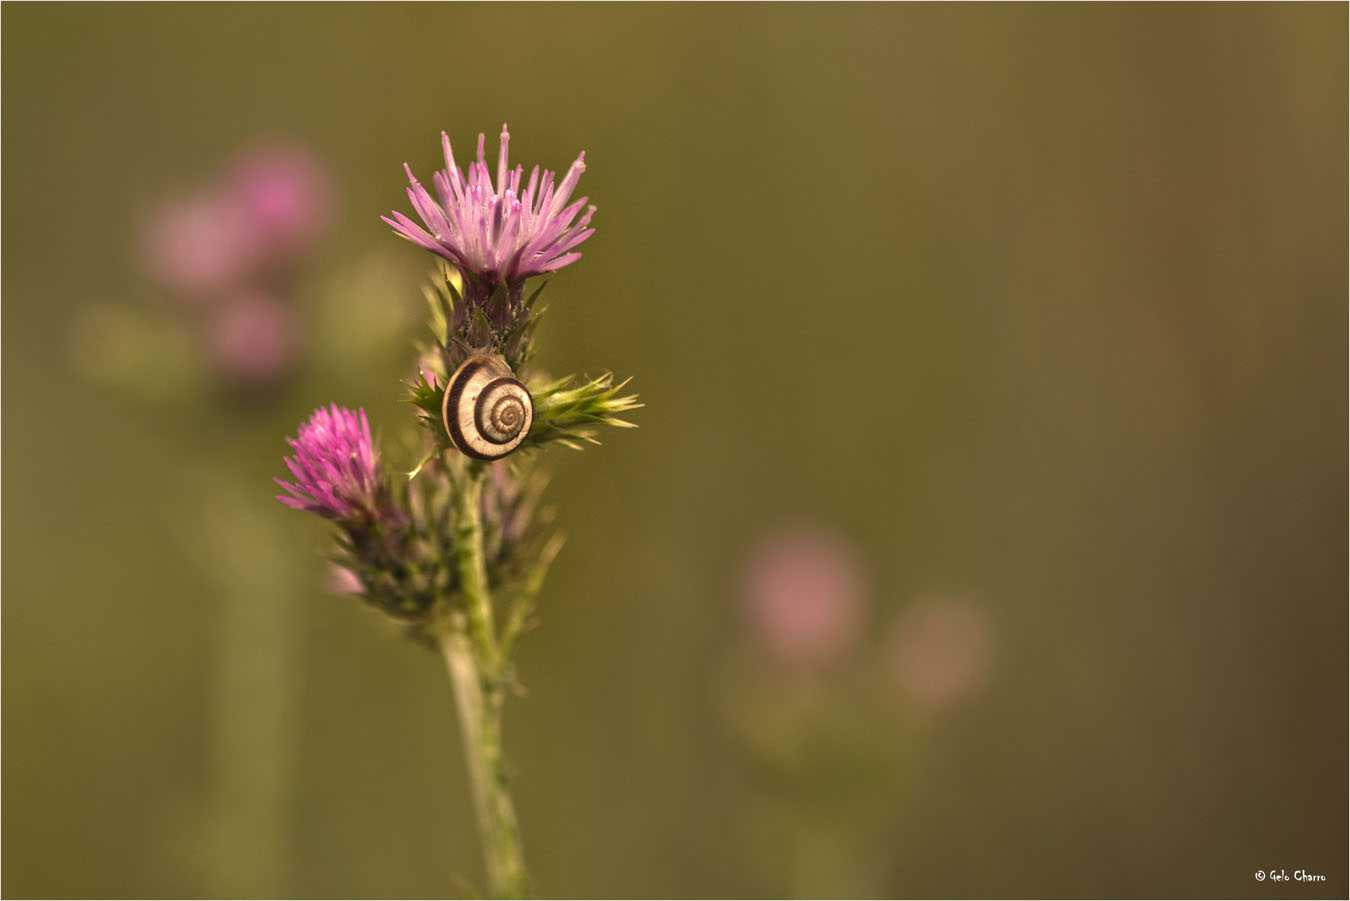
473 657
468 526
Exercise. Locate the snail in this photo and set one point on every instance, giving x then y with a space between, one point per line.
486 411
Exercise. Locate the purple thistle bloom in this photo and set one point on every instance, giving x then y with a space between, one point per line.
499 234
334 465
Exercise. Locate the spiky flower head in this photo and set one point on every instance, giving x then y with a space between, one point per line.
335 466
497 233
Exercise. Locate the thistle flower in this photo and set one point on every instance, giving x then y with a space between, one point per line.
283 194
197 246
335 466
805 593
497 233
251 338
258 217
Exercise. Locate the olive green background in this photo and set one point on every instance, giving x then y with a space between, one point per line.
1043 307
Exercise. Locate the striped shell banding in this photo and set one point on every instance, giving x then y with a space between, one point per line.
487 412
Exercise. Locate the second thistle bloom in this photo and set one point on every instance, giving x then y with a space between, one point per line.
498 232
335 466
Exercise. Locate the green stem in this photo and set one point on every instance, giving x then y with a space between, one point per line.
469 561
251 565
476 667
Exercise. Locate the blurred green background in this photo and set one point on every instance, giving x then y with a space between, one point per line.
1039 308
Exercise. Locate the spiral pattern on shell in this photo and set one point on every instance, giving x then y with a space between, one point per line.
486 411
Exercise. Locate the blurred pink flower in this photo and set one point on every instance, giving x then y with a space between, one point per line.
271 204
197 246
804 594
282 194
251 339
937 654
229 249
342 581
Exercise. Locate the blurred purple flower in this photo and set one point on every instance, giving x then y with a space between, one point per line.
342 581
334 465
270 205
251 338
283 195
196 246
500 234
937 654
804 593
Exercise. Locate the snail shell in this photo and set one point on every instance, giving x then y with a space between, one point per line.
487 412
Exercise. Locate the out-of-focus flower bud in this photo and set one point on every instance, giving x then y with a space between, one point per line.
282 194
937 655
804 595
252 338
198 246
